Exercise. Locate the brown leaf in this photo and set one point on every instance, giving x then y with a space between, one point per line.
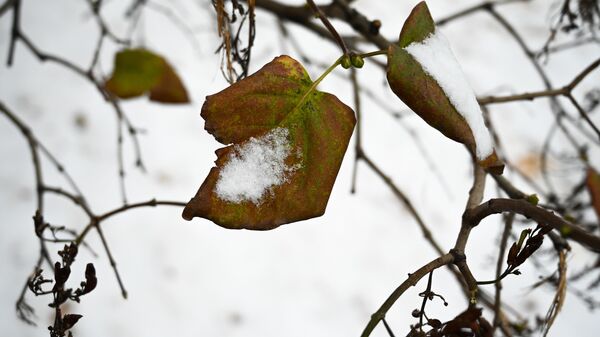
61 275
139 71
485 328
467 319
512 254
435 323
422 93
532 244
593 187
90 279
169 88
274 105
70 320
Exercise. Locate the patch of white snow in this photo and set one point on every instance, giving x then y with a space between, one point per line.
437 59
255 167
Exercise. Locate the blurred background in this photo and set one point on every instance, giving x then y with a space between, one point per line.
320 277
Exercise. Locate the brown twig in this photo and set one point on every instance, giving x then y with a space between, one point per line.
494 206
411 281
336 36
473 9
566 91
508 223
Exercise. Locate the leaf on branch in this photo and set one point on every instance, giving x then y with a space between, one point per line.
287 144
424 74
90 281
70 320
468 319
139 71
593 186
61 275
530 242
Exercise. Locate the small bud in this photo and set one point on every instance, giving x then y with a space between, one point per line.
565 231
416 313
357 61
374 27
533 199
435 323
346 62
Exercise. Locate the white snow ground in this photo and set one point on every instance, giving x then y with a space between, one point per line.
322 277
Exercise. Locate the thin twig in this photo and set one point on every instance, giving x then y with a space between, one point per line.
329 26
411 281
508 223
388 328
111 259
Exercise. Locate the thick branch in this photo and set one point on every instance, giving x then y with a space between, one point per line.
336 36
494 206
339 9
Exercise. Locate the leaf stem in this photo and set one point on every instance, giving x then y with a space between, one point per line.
327 72
317 81
507 272
330 69
373 53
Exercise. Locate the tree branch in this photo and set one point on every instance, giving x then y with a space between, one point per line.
411 281
494 206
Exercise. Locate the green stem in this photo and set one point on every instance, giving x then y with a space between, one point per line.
317 81
328 71
373 53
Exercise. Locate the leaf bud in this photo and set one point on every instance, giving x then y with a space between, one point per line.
346 62
533 199
357 61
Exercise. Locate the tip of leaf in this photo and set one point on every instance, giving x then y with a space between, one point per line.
492 164
139 71
417 26
188 213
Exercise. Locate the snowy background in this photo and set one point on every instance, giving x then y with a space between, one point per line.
321 277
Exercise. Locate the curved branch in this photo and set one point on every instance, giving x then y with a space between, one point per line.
411 281
494 206
338 9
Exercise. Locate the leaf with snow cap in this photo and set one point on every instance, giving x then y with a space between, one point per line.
287 144
423 72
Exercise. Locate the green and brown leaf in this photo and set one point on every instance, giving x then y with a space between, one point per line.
422 93
139 71
318 128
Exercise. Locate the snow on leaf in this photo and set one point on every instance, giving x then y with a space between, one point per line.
139 71
255 167
423 72
287 142
438 61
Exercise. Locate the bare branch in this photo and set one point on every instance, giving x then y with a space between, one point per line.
494 206
411 281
